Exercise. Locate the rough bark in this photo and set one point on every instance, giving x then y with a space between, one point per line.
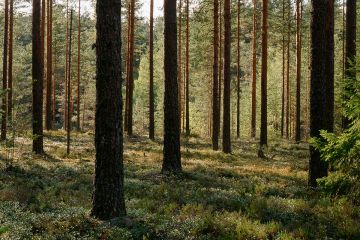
322 80
298 72
238 73
172 156
287 81
37 77
227 78
253 91
215 94
108 197
283 71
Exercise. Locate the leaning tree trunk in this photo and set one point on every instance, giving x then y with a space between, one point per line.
108 198
172 156
322 81
227 78
350 52
151 70
264 66
253 92
215 95
5 73
37 77
298 72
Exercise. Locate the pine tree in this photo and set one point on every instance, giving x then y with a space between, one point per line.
151 70
187 71
49 71
5 73
238 73
298 72
108 197
78 100
10 65
253 91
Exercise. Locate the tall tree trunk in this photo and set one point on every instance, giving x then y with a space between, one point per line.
10 71
49 87
350 52
130 73
187 78
298 72
37 76
69 89
172 155
108 197
127 64
215 94
283 71
287 82
264 66
66 63
151 69
221 67
180 61
78 127
5 73
322 80
216 79
253 92
227 78
238 73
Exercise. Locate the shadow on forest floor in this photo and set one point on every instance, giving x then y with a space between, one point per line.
219 196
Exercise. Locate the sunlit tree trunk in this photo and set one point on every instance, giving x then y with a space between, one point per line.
253 91
49 88
66 63
5 73
298 72
187 77
283 71
287 81
78 127
180 61
238 73
151 70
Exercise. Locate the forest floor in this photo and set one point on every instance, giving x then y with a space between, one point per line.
219 196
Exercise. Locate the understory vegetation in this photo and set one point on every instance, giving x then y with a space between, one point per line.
219 196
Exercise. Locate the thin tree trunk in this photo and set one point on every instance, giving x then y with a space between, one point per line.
49 87
69 108
287 82
187 77
108 197
253 92
127 65
151 69
78 127
130 91
238 73
220 58
10 71
298 72
215 99
5 73
66 63
264 66
283 71
180 61
172 155
37 76
322 85
227 78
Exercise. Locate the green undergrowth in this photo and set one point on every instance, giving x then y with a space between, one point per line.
218 196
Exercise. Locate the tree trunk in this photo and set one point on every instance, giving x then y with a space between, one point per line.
127 64
227 78
130 73
37 76
66 63
10 71
350 52
238 73
69 90
215 94
187 78
49 87
264 66
298 72
172 156
151 69
283 71
322 81
180 61
253 92
5 73
78 100
108 197
287 82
